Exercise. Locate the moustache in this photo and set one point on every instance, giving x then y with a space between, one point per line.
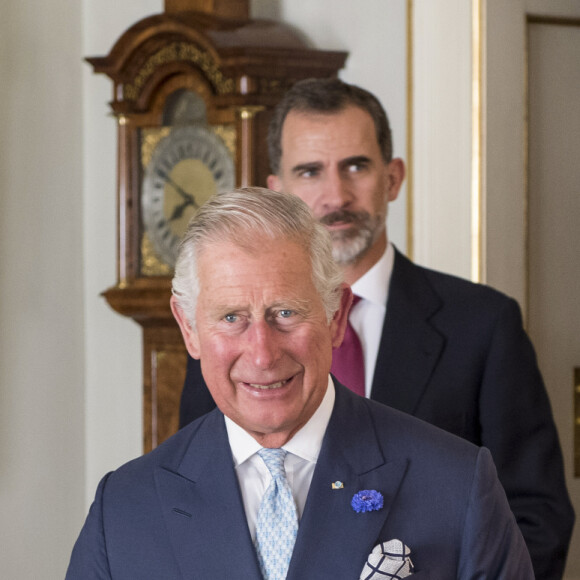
344 216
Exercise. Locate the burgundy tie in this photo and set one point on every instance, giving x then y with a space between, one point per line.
347 360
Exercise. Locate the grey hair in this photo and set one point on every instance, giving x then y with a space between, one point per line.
244 217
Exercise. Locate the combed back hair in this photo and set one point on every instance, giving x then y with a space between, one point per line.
245 217
326 96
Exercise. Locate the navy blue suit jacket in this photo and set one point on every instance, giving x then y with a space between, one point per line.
177 512
456 355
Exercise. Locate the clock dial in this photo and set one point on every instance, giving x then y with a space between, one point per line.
188 166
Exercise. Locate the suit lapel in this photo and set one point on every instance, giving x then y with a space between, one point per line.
410 346
203 509
333 540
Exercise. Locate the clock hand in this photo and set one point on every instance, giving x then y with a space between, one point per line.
179 209
186 196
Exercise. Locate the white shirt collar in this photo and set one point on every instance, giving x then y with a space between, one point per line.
374 284
306 442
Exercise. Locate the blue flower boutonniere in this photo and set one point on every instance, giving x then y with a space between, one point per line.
367 500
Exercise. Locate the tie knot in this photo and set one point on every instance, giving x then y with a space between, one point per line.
274 460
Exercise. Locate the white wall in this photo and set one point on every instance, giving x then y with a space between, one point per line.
42 346
442 135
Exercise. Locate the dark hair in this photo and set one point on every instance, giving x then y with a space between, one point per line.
326 96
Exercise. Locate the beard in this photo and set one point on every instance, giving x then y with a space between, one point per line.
349 245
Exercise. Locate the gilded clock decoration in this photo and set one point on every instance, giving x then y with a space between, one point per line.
179 51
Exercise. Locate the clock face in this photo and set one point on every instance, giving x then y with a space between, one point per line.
187 166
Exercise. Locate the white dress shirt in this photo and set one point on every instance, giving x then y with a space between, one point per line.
368 316
303 449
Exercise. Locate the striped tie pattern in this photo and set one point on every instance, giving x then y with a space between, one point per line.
277 523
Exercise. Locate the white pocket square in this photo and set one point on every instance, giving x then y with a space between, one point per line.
388 561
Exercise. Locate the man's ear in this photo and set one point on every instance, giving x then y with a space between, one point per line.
395 177
189 335
274 183
340 320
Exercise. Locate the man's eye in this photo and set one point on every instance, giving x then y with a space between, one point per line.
308 172
286 313
230 317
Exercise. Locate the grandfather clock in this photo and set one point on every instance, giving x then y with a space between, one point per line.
193 93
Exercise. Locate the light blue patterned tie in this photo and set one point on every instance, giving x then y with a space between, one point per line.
277 523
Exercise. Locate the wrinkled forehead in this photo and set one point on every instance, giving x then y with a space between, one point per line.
251 241
349 130
253 267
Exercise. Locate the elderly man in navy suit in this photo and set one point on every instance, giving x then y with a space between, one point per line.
450 352
293 475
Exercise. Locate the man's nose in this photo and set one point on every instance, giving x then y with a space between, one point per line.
336 192
263 344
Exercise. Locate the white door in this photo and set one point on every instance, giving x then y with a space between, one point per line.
554 226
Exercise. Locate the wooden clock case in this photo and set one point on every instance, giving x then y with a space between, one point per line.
240 67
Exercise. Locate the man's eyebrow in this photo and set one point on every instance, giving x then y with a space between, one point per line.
291 304
346 162
301 167
355 160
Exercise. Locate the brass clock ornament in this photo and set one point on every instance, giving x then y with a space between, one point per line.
187 167
194 90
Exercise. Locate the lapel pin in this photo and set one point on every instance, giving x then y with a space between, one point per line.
337 485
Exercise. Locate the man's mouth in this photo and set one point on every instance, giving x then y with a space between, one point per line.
271 386
341 217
